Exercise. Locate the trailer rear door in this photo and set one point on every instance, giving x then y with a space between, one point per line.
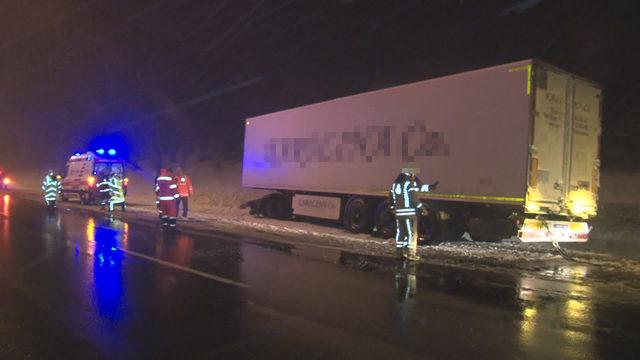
549 136
584 174
564 164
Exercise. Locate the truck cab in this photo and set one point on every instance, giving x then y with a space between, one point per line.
85 171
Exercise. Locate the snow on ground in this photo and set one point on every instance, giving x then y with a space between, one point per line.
218 196
218 192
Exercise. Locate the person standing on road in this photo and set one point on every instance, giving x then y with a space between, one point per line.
116 192
104 189
406 205
52 188
185 190
167 193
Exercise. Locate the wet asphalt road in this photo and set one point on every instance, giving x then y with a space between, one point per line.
76 285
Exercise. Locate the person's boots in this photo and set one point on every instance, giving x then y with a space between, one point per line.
400 255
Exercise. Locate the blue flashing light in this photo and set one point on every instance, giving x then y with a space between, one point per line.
76 153
112 152
100 151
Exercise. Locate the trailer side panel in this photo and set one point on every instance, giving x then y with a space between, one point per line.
469 131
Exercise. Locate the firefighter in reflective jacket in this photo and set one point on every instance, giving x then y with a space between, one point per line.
104 189
167 193
406 205
51 187
116 192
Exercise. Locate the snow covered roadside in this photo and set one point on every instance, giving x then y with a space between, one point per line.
218 195
497 257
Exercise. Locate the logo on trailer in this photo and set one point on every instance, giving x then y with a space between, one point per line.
368 144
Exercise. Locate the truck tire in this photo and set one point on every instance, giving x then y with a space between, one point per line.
385 221
357 215
275 206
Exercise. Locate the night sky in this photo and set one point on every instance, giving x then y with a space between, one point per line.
178 77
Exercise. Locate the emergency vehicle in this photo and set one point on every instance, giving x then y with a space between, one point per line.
85 171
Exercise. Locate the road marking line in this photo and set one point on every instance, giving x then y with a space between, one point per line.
182 268
186 269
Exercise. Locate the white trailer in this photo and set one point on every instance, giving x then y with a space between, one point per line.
514 147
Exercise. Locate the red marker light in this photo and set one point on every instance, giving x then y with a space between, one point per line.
91 181
126 181
6 181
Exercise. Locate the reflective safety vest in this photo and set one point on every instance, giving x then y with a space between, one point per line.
103 187
116 190
404 195
166 188
185 189
51 187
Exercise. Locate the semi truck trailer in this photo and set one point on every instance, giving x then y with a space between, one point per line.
515 149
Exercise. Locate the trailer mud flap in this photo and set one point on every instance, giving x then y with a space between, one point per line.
534 230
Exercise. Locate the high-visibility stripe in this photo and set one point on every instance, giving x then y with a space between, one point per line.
405 193
176 196
166 198
164 178
477 197
173 186
529 73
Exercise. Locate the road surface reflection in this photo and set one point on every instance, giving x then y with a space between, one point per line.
106 279
107 267
573 311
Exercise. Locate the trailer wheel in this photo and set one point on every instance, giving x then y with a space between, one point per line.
275 206
385 221
357 215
